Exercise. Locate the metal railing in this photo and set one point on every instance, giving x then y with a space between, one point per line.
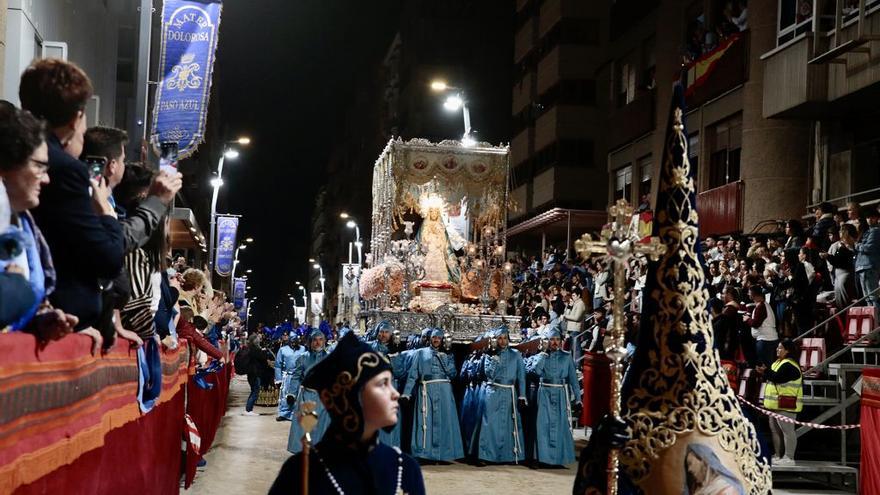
835 315
825 362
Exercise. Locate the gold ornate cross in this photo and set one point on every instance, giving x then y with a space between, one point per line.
618 244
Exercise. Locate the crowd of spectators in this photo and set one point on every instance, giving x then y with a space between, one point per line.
574 296
702 38
84 234
763 288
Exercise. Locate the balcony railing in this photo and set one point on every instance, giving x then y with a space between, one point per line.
721 209
718 71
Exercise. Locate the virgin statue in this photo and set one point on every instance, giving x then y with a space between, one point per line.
440 242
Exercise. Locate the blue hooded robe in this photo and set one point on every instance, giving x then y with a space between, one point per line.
500 436
398 370
557 388
285 362
303 363
436 434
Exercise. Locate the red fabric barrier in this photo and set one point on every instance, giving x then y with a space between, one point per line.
141 457
70 422
869 474
597 388
206 408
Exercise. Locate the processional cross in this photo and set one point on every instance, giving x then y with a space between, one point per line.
618 244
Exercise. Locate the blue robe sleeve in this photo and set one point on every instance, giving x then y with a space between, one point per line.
296 377
412 376
449 366
573 381
278 364
520 376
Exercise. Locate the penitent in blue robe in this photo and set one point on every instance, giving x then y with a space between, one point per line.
305 361
285 361
436 434
500 437
557 388
398 370
471 412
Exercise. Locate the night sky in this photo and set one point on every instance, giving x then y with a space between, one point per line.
284 77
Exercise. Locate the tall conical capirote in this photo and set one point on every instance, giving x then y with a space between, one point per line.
680 411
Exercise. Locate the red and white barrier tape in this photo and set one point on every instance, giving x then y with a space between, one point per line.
786 419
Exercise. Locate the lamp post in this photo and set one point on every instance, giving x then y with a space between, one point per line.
453 103
217 183
357 237
241 246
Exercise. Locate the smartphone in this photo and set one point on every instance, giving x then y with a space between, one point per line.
96 166
168 157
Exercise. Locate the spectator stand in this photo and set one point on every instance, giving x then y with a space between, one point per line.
67 419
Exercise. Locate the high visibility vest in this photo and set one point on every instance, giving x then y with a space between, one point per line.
793 388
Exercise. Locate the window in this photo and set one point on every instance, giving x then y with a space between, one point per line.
623 183
649 62
694 154
625 88
546 157
570 31
795 19
646 173
570 92
576 152
724 152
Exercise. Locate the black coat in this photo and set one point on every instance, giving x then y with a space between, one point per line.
86 247
358 471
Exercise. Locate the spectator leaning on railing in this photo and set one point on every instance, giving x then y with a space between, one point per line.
74 212
23 163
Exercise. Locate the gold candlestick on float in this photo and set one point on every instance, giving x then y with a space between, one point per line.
618 244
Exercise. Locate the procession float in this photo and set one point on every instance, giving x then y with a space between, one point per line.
438 244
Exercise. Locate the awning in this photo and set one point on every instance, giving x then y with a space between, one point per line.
185 231
556 222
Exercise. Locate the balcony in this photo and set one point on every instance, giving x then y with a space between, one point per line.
522 94
632 120
552 11
835 62
721 209
523 43
564 61
563 122
718 71
793 88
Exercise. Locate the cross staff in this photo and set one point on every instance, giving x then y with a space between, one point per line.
618 245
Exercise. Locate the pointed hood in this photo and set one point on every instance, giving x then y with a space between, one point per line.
676 393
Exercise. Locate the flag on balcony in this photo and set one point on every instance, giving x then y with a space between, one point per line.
686 427
700 69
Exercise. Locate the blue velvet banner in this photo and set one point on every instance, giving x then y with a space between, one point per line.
227 232
238 290
243 312
189 40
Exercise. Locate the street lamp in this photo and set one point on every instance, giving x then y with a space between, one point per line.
357 239
453 103
318 267
216 184
241 246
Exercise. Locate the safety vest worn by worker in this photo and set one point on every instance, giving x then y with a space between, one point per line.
794 388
